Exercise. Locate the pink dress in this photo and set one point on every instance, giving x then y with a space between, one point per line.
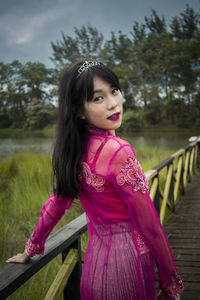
125 233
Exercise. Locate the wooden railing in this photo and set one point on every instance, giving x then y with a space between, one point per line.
164 193
180 167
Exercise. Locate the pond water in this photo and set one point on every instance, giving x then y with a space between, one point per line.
38 144
11 145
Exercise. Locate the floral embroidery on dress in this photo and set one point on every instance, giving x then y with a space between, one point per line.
93 180
33 249
141 244
133 174
175 288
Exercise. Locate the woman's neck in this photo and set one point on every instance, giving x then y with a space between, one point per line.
103 131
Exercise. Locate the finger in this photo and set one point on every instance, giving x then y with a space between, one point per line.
13 259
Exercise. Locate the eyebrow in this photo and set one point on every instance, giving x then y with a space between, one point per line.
101 91
97 91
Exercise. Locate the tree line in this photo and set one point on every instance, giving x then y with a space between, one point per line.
158 65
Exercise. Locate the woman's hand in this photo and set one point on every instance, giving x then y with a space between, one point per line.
162 296
20 258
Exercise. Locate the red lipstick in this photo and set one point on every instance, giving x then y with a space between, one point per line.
114 117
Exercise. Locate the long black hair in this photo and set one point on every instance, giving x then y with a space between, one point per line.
72 129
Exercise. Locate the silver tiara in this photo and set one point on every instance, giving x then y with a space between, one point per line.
87 64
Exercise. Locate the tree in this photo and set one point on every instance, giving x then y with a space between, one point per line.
87 43
186 42
36 80
19 84
155 24
12 94
38 115
185 26
118 55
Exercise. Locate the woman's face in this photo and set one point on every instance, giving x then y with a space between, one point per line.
105 110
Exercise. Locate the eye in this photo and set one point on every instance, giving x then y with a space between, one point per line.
98 99
115 91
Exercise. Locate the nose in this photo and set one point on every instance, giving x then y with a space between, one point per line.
112 102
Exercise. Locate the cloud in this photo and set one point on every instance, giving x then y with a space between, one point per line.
30 27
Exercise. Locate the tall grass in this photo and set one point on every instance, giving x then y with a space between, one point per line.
25 184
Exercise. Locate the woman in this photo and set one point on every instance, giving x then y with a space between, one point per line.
90 162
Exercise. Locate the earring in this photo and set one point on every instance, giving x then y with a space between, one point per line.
82 117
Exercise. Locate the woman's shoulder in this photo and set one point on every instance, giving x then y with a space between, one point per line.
116 145
116 141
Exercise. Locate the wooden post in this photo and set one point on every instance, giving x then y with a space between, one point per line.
171 190
166 192
195 157
179 178
192 159
60 281
154 194
198 155
72 290
186 167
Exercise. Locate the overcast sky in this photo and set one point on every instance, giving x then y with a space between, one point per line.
28 26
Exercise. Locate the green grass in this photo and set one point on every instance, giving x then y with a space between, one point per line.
25 185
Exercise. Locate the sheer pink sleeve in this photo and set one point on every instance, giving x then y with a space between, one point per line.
51 213
130 182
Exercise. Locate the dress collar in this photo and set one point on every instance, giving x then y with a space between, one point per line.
96 130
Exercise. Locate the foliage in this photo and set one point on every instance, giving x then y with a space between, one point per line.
38 115
157 65
25 185
19 85
86 43
131 122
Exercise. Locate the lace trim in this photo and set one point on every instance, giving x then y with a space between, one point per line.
133 174
33 249
175 288
94 180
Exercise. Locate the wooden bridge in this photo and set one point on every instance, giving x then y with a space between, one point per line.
182 178
182 229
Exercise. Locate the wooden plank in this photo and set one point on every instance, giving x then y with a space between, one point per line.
194 248
188 263
182 230
187 257
189 270
166 193
62 276
12 276
180 223
185 235
182 227
189 295
189 251
179 240
154 189
163 164
191 286
187 241
192 277
150 174
178 153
